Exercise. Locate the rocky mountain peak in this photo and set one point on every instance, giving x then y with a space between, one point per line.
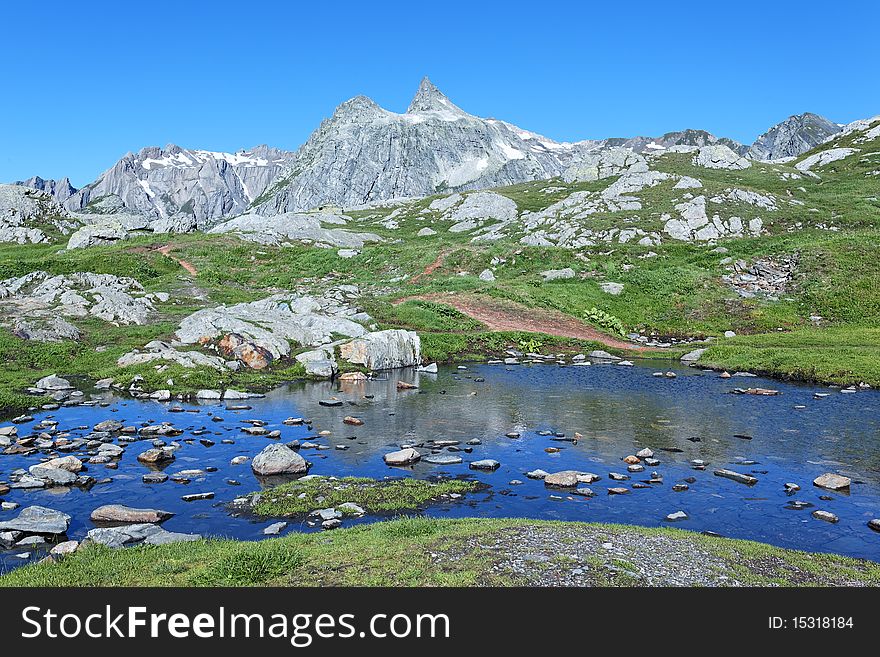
61 190
430 99
794 136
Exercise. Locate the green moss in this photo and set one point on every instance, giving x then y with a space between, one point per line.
374 496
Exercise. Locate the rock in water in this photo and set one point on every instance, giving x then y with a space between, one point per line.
736 476
124 514
485 464
38 520
564 479
832 481
827 516
402 457
277 460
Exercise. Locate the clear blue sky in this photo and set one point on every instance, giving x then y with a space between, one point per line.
85 82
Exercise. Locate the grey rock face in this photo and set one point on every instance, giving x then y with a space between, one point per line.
60 190
794 136
161 183
364 153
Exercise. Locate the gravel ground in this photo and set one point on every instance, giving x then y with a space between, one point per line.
579 556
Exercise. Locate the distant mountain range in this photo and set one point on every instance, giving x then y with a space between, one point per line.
364 154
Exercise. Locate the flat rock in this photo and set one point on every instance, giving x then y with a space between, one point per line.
38 520
831 481
402 457
736 476
124 514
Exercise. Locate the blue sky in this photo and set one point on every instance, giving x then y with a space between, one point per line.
86 82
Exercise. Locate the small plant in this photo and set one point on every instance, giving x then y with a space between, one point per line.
530 346
605 321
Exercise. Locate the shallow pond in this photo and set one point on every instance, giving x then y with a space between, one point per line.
619 410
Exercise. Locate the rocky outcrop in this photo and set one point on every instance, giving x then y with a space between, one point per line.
604 163
296 227
162 183
33 304
824 157
794 136
695 225
270 326
25 212
719 156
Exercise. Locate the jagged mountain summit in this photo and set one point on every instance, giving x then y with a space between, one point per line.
794 136
188 188
60 190
689 137
364 153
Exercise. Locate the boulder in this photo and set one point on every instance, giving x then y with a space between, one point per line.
719 156
558 274
485 464
155 456
279 460
831 481
54 382
384 350
97 234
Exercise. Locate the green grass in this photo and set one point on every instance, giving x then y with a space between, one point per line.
374 496
838 355
406 552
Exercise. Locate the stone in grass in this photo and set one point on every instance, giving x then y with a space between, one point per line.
350 509
485 464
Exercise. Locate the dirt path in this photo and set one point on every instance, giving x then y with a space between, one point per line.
509 316
166 251
430 269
